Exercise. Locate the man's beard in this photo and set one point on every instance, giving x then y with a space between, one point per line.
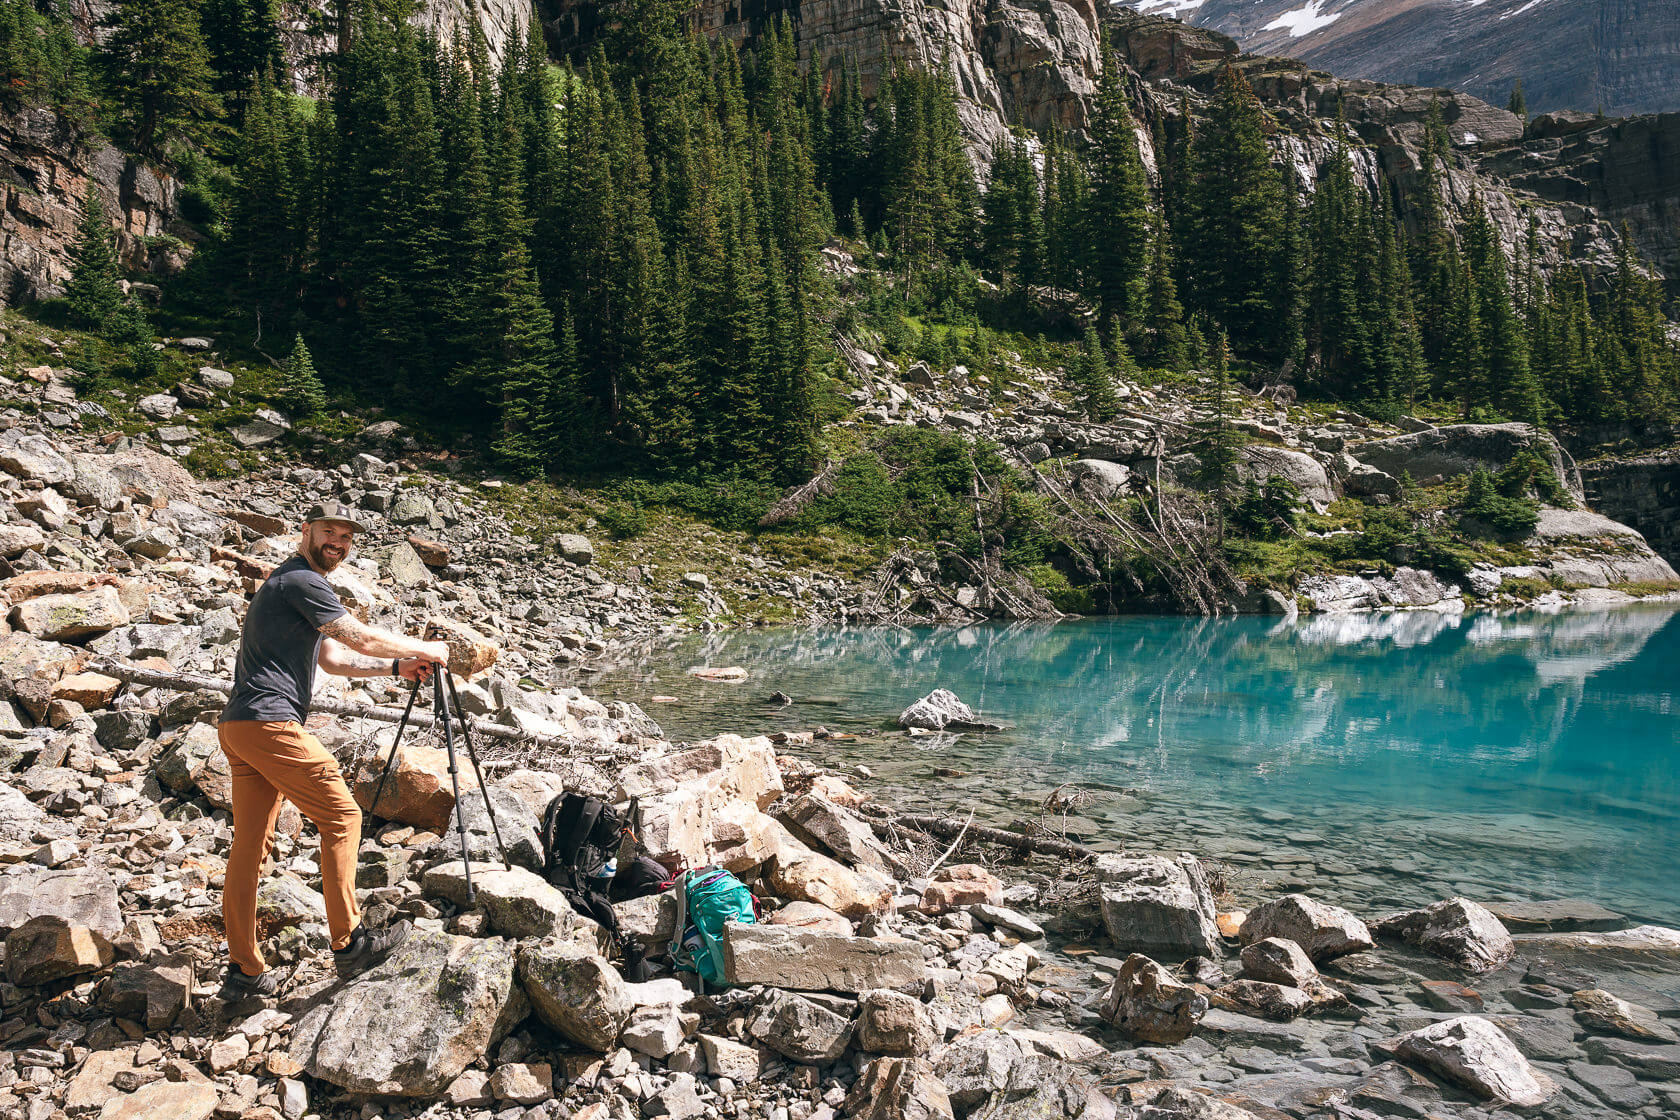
316 555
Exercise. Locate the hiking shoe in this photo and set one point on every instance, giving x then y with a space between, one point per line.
368 947
238 984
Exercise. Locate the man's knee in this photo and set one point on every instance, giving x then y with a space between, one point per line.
344 821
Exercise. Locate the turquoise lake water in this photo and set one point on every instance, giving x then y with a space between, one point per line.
1377 760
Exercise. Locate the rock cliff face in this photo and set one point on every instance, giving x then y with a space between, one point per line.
1623 55
1643 492
44 173
1027 62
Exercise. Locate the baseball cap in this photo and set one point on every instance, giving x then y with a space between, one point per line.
334 511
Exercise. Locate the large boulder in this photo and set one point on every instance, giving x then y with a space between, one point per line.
153 991
411 1024
576 992
1260 462
1456 929
1322 931
48 948
1099 478
812 961
940 710
418 791
84 896
520 829
695 802
799 874
1262 999
1472 1052
1157 906
848 837
1279 961
893 1023
518 903
1146 1002
66 618
977 1065
799 1029
898 1089
1599 1010
1437 454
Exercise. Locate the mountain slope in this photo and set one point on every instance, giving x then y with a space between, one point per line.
1619 55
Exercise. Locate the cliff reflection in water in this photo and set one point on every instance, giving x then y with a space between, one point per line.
1530 732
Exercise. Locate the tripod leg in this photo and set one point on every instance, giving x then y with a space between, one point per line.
442 708
413 692
472 756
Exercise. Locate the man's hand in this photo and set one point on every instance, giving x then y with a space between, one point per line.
435 652
414 669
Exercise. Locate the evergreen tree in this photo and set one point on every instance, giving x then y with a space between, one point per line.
299 391
1511 387
1168 343
158 75
1012 231
1518 104
1117 206
242 38
94 292
1234 219
1219 448
1093 381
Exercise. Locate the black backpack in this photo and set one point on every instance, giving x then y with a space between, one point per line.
579 835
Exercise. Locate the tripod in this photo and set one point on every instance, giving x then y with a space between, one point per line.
446 713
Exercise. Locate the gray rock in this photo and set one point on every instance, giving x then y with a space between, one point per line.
940 710
1157 907
1613 1085
84 896
576 992
894 1023
897 1089
1279 961
1261 461
977 1065
814 961
1145 1002
518 903
677 1101
1322 931
1600 1011
1099 477
825 825
1457 930
799 1029
575 548
212 378
1472 1052
159 406
520 829
1442 453
411 1024
1659 1063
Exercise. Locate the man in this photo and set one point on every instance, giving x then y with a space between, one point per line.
297 624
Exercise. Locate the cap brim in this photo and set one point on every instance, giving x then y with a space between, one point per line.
357 525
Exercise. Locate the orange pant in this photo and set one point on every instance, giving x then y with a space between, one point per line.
270 761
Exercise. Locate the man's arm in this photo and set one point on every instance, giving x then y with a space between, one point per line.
341 661
362 638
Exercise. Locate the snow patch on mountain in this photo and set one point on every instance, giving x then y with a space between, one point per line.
1507 15
1174 8
1303 21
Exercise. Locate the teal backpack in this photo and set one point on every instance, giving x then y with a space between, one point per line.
706 900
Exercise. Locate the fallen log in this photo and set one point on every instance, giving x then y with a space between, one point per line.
950 827
187 682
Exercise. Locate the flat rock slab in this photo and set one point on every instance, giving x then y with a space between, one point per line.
178 1100
518 903
1561 915
84 896
411 1024
811 961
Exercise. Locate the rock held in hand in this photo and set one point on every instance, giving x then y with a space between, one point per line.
470 653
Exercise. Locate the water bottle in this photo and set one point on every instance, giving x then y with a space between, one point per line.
608 869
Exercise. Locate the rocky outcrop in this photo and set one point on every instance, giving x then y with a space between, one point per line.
46 166
1643 492
1437 454
1027 62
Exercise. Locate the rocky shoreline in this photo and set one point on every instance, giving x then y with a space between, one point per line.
1125 985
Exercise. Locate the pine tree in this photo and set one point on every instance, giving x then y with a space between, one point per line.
158 74
1117 207
1219 450
1518 104
242 38
94 292
1012 231
299 390
1234 219
1168 344
1511 386
1093 380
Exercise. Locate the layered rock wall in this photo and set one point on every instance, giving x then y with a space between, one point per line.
1642 492
45 169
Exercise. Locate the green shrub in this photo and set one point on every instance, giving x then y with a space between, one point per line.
1487 510
1062 594
623 519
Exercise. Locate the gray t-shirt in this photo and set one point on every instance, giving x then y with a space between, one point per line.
275 675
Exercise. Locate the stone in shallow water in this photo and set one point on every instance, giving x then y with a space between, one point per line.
1457 930
1157 906
1554 915
1321 930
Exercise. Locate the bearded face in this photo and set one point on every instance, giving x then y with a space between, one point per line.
326 544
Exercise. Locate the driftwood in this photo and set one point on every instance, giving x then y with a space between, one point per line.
951 827
187 682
